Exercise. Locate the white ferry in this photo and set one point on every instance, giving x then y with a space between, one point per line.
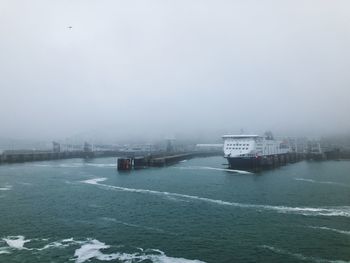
252 151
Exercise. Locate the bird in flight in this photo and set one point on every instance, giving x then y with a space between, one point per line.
70 27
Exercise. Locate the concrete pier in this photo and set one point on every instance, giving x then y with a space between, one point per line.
30 156
165 159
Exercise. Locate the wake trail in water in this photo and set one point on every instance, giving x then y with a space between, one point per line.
321 182
90 249
331 229
6 188
300 256
16 242
93 250
307 211
213 168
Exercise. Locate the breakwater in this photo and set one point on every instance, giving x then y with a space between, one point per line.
32 156
138 160
160 160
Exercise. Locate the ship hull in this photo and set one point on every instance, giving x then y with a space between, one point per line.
254 163
244 163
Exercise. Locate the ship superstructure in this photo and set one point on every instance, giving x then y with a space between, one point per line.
252 151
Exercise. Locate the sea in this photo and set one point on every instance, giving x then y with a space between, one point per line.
195 211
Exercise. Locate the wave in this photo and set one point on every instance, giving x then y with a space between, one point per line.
6 188
300 256
92 250
61 244
212 168
321 182
94 180
16 242
226 170
307 211
4 250
331 229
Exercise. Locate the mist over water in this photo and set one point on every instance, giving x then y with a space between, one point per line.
88 78
149 69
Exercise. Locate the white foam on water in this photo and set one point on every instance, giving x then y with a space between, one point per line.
55 244
6 188
92 250
331 229
321 182
300 256
307 211
177 199
305 180
213 168
16 242
61 244
4 250
94 181
227 170
68 240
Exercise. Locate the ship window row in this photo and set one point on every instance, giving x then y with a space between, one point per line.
233 148
238 144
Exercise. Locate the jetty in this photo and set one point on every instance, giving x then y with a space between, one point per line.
161 159
139 158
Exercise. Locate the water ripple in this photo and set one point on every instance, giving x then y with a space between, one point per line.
307 211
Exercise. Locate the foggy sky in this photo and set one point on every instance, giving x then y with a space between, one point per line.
157 68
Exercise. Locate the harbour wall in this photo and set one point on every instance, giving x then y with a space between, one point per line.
140 158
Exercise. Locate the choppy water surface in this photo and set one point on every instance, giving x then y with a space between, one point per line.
196 211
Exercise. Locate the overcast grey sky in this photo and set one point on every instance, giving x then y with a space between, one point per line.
132 68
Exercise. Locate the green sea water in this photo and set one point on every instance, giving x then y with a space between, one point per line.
86 211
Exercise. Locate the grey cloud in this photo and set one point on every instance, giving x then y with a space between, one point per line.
151 68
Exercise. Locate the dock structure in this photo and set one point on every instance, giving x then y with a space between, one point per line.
142 161
160 159
126 160
124 164
281 159
132 159
31 156
171 159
